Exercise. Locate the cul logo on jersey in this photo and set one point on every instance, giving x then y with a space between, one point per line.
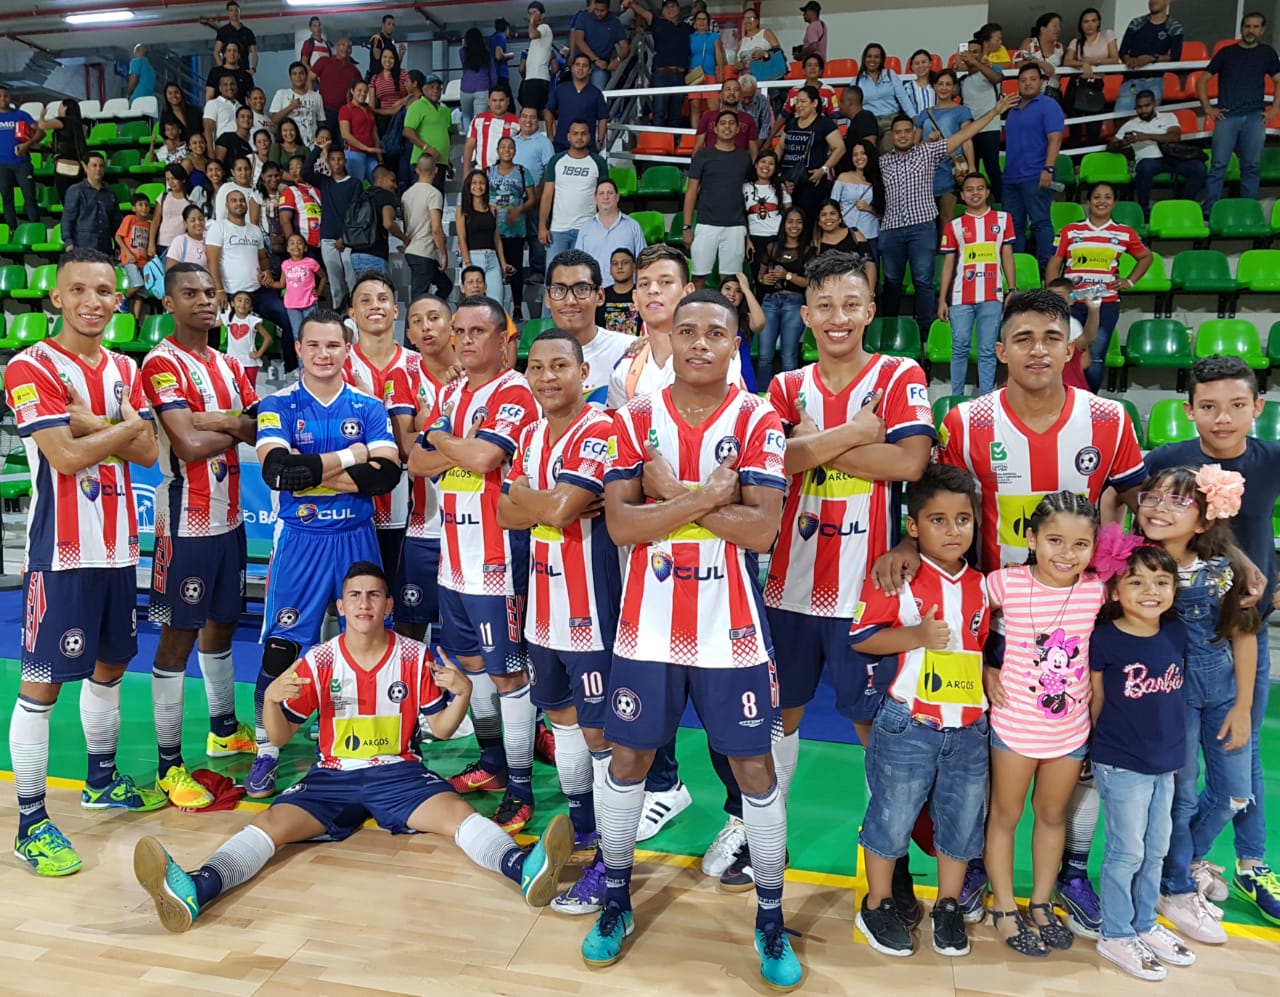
807 525
662 564
90 486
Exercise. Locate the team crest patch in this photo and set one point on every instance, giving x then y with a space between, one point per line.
727 449
350 428
807 525
90 487
411 595
662 564
398 692
218 468
192 590
1087 460
479 415
72 643
626 704
287 617
556 467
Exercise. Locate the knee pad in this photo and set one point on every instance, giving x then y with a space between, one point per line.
278 654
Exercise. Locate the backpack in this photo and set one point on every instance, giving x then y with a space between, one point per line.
360 225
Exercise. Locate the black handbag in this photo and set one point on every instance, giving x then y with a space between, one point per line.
1180 150
1085 96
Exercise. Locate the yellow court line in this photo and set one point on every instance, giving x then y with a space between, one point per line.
1256 932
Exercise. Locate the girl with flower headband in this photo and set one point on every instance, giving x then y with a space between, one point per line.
1139 705
1186 512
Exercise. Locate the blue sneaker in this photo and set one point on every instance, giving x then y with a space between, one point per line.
972 899
586 896
540 878
122 794
603 944
1262 888
171 889
261 781
1084 910
778 963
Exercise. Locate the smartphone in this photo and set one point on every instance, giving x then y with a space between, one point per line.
964 48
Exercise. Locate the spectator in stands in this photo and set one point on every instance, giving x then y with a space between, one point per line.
943 121
827 105
336 75
478 241
215 178
230 66
609 229
235 32
671 57
189 247
301 210
751 322
316 46
1091 47
533 153
70 145
385 41
991 35
714 193
535 74
917 89
17 134
337 191
1044 46
832 235
427 122
91 214
859 123
1242 70
603 38
512 192
859 190
264 211
1033 136
576 100
261 157
220 112
980 89
239 177
908 230
359 134
882 92
765 197
760 53
706 54
619 312
166 224
425 247
500 54
299 103
815 32
1153 37
389 95
480 151
142 77
811 147
780 277
568 197
232 145
1144 135
289 145
198 159
477 76
176 108
386 202
752 100
257 103
747 137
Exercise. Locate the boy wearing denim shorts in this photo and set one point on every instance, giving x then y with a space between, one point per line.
929 740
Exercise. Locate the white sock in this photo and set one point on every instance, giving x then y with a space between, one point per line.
573 760
786 752
29 750
100 718
600 770
484 842
166 705
518 716
219 681
242 856
484 707
618 810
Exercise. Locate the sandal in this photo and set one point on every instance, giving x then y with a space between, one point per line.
1026 941
1053 933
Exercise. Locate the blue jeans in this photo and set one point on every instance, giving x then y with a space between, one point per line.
270 306
360 164
1129 91
1251 823
1192 172
1108 316
470 105
560 241
360 262
782 321
600 78
487 259
1028 206
1243 135
919 245
666 107
297 316
986 315
1136 810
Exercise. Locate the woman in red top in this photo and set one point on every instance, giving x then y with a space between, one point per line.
390 96
359 134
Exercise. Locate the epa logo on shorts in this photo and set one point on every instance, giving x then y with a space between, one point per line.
72 643
287 617
411 595
192 590
1087 460
350 428
727 449
398 692
626 704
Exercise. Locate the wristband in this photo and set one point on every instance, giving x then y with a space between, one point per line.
346 458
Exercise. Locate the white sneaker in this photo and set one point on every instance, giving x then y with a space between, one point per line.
1133 957
1209 880
724 849
660 808
1168 947
1190 913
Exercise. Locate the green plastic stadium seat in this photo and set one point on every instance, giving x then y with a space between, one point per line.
131 133
53 246
1259 270
1064 171
1135 418
1267 425
675 230
661 180
809 347
1154 281
15 464
1065 213
1159 342
25 329
1202 271
1168 423
937 348
154 329
1238 218
1176 219
1129 213
899 337
651 224
625 178
122 160
1026 271
1235 337
13 277
534 328
24 237
121 329
1273 344
152 190
1097 167
1269 169
42 280
103 132
944 405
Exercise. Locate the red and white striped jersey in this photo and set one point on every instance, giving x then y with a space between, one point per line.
834 525
475 552
424 500
977 241
941 688
367 717
1092 445
396 384
304 201
200 498
691 598
574 573
86 519
1093 253
487 131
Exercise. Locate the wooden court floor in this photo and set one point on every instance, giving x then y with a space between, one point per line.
379 914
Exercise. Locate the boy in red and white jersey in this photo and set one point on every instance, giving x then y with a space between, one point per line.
199 397
79 410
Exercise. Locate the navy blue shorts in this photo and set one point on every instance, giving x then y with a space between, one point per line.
198 579
738 707
484 626
304 580
416 586
342 801
810 644
74 618
570 678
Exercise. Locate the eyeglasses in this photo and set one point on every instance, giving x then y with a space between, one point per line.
1153 500
558 292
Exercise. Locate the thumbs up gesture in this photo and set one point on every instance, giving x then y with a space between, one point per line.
934 633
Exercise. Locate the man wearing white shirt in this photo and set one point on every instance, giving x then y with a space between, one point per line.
237 257
535 71
220 113
574 292
300 103
1144 135
241 179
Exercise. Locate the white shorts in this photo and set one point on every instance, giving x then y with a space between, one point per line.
728 243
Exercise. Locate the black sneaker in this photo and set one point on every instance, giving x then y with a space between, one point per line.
739 877
904 894
949 936
884 930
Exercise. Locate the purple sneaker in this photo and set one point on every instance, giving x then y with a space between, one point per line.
972 898
261 781
1084 911
585 842
586 896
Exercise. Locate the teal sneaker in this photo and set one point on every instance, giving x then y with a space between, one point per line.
778 963
172 890
540 878
603 944
47 851
122 794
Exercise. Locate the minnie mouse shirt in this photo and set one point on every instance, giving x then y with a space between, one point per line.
1045 674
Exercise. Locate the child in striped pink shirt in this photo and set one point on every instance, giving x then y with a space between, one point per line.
1038 684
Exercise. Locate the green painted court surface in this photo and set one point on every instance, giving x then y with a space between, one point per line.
827 800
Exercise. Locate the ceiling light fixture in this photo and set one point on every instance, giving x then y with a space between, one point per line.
321 3
100 17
